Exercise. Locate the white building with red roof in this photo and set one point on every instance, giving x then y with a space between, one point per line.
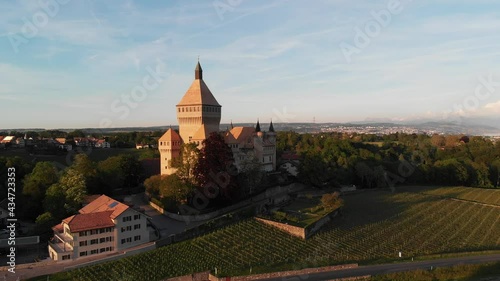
102 226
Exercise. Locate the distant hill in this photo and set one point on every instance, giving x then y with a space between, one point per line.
472 126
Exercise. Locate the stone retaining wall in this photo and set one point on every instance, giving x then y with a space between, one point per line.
293 230
301 232
315 227
267 195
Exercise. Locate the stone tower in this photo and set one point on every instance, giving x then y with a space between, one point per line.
198 112
170 146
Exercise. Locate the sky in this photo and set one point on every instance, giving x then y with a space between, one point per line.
98 64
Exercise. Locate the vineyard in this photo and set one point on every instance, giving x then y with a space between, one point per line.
374 227
487 196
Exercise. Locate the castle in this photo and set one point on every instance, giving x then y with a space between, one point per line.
199 114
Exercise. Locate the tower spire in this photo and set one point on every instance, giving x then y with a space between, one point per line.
271 127
198 72
257 127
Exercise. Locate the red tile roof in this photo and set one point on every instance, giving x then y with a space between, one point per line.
58 228
240 135
105 203
82 222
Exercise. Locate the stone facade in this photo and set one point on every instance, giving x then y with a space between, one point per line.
199 114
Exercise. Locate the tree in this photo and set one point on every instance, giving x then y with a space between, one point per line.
54 201
215 171
215 158
186 162
251 172
35 185
73 184
76 134
152 185
44 224
84 166
174 188
331 200
122 171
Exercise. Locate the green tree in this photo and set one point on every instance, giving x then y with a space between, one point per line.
174 188
122 171
186 162
152 185
55 199
88 169
44 224
36 184
73 184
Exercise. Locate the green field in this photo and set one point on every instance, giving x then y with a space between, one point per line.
374 227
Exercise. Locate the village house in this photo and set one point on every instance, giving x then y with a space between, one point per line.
103 226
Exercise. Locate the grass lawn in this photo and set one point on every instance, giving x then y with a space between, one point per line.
306 210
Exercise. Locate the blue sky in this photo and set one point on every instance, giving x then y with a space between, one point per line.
83 63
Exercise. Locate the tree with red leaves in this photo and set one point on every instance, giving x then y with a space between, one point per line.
215 168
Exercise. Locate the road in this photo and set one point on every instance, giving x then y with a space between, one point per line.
390 268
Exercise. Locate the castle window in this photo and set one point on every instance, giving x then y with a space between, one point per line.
183 109
179 109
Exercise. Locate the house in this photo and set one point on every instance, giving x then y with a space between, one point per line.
84 142
290 163
102 144
101 227
141 146
251 144
61 140
8 141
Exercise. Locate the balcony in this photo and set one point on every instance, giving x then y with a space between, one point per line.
61 242
60 247
63 237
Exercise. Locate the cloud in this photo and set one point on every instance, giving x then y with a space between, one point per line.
493 107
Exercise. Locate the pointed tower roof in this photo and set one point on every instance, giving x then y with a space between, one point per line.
198 72
198 93
232 124
257 127
271 127
170 135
